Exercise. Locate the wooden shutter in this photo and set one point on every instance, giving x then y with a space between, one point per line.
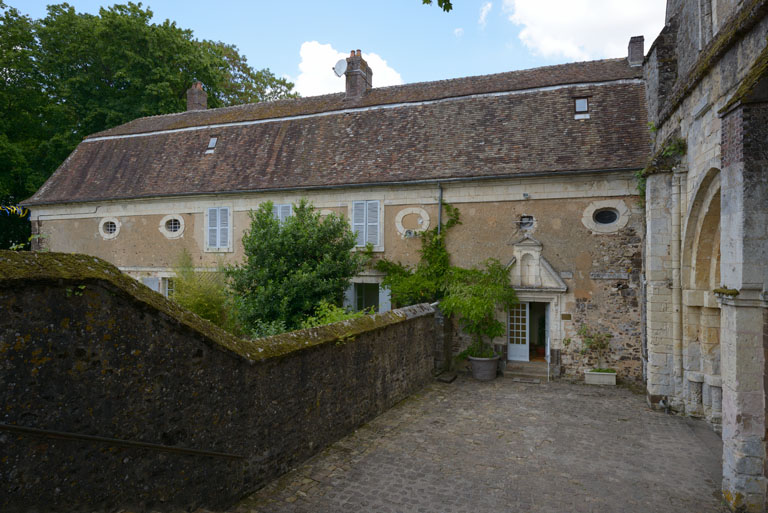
372 222
224 227
358 222
285 212
213 227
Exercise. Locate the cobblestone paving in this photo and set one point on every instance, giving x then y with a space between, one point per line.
512 447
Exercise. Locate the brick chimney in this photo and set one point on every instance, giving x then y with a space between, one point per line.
636 51
197 99
359 76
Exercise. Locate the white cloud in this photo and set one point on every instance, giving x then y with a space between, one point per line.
585 29
458 32
484 10
316 75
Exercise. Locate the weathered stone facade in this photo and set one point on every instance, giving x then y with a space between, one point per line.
113 397
706 258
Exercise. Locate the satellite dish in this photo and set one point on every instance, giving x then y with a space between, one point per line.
340 67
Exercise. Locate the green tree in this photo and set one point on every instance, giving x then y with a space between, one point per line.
291 266
72 74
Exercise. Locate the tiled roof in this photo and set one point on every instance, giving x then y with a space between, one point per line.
495 125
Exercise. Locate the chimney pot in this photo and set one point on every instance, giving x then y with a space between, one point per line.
351 53
636 51
359 54
197 98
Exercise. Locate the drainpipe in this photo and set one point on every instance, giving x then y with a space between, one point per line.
439 207
677 293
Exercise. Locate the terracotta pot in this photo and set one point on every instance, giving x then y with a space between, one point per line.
484 369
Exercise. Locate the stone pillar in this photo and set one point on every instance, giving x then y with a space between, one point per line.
658 272
744 268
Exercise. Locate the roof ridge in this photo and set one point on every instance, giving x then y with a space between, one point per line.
384 94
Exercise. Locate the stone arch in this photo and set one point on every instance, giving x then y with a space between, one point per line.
701 320
702 231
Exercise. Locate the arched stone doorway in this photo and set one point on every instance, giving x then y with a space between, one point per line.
701 311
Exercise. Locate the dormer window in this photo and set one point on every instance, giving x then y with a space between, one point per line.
581 108
211 145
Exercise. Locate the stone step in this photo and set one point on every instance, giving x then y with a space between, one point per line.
536 369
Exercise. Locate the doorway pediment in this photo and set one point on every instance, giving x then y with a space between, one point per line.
530 270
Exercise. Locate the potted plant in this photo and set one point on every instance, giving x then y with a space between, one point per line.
475 295
599 342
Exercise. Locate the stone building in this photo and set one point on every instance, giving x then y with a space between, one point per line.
541 164
706 252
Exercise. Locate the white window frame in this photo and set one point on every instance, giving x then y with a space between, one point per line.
279 211
363 224
223 243
169 234
103 232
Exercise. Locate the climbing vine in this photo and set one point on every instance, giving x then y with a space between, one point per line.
472 295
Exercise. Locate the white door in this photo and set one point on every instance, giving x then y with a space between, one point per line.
518 333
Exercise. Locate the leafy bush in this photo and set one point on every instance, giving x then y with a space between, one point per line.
204 293
291 266
328 313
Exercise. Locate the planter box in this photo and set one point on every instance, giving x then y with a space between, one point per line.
599 378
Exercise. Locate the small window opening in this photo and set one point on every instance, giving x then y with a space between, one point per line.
211 145
173 225
526 222
606 216
110 227
581 108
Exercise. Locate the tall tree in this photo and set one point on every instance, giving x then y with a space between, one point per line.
72 74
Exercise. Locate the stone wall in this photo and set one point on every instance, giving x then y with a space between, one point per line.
113 397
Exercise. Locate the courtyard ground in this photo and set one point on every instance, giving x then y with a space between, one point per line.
510 447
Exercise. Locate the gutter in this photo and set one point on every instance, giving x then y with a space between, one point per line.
430 181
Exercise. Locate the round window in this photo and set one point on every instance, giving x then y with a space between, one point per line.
173 225
110 227
606 216
526 221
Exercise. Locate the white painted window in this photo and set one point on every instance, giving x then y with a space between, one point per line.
282 212
218 229
168 286
365 222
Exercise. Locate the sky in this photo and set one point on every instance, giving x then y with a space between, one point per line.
403 40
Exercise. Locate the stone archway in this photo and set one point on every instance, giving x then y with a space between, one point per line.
701 311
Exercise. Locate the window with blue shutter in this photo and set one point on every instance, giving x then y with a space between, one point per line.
365 222
282 212
218 230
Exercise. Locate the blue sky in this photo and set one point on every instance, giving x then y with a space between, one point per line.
403 40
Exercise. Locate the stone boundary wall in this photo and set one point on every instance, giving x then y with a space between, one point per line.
113 397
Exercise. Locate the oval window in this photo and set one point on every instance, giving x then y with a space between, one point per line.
173 225
110 227
606 216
